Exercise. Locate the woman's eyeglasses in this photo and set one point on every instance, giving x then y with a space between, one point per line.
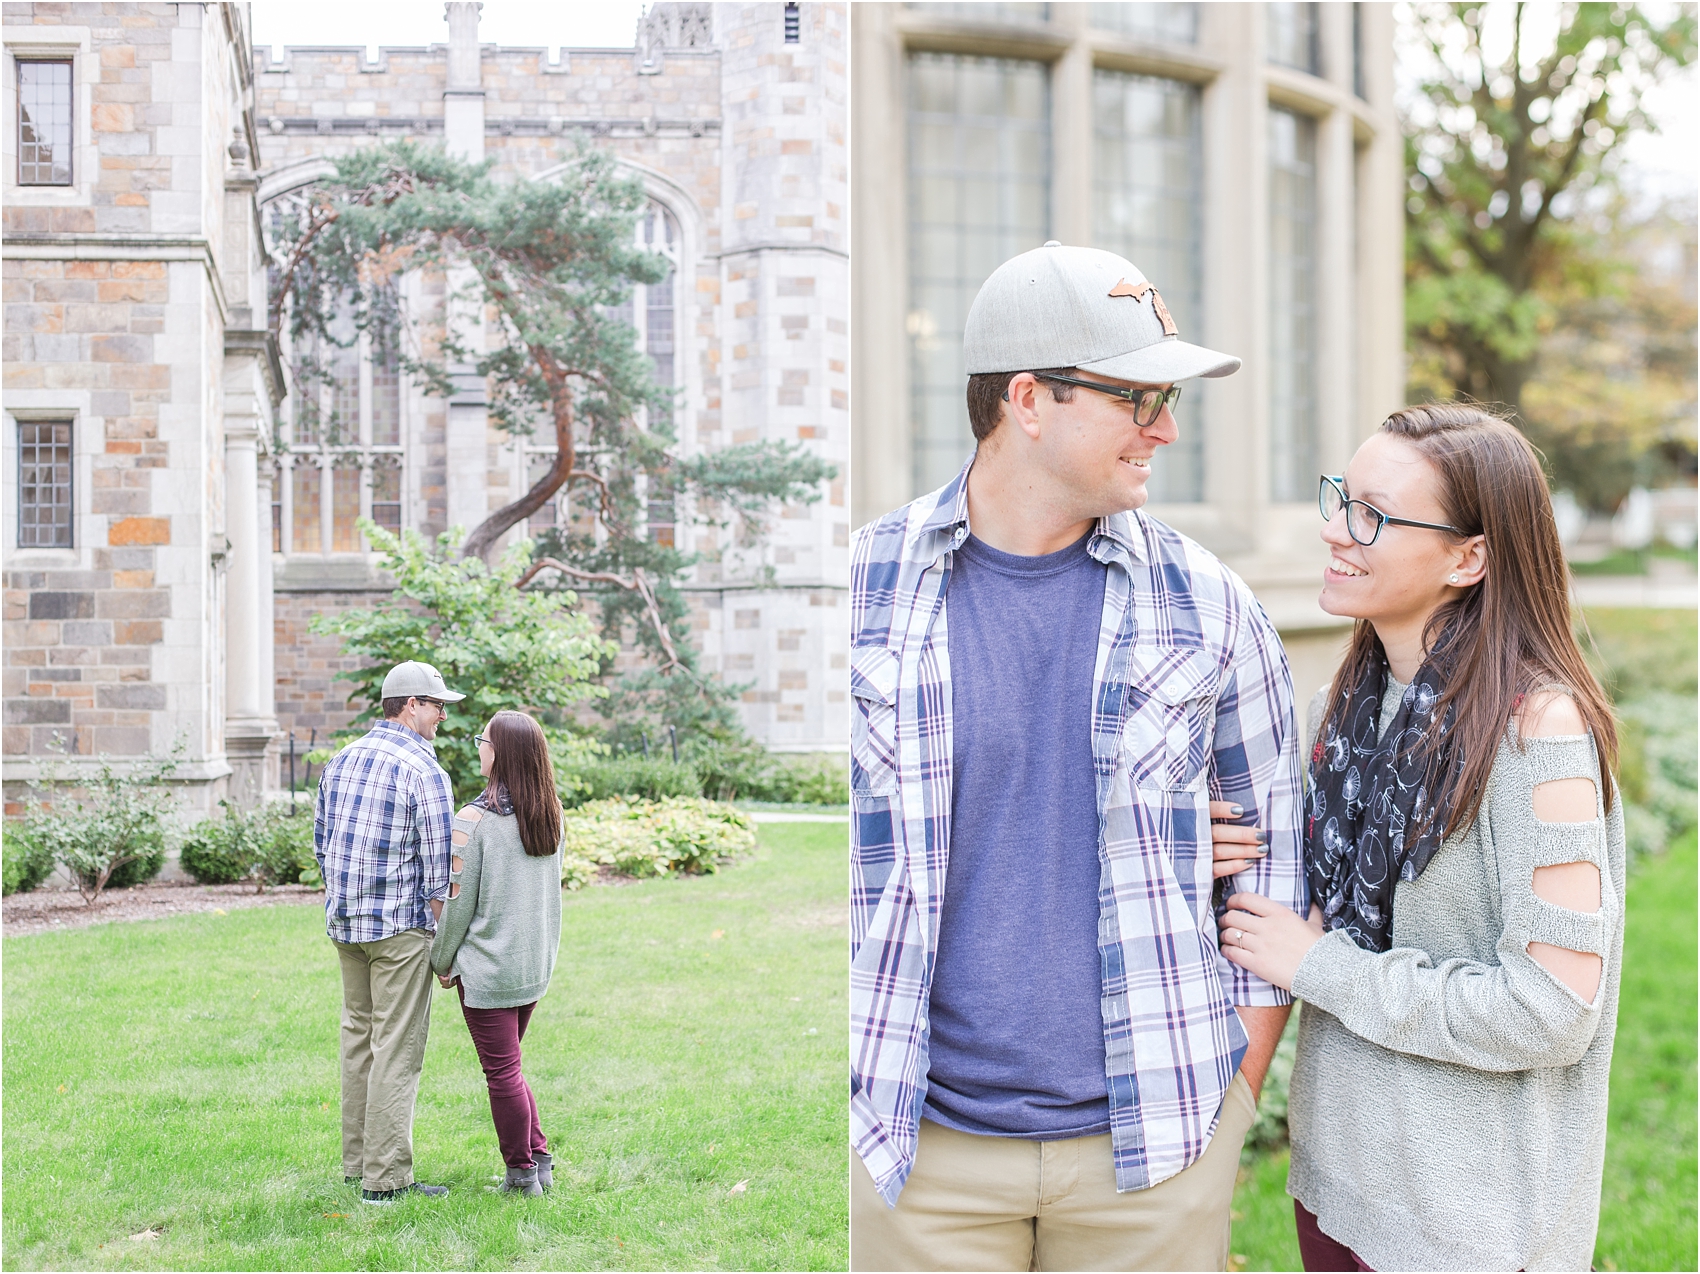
1148 404
1363 521
481 738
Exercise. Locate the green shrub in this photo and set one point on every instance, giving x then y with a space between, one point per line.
810 781
747 771
107 829
27 859
265 845
671 837
652 779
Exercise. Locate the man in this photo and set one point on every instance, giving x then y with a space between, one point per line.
1052 1065
381 831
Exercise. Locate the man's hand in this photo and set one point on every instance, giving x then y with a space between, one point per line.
449 980
1267 939
1263 1024
437 910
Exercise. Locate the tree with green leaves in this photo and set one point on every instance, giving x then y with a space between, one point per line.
1516 124
499 645
550 262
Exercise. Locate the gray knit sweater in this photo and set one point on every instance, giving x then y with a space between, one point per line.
1448 1101
501 932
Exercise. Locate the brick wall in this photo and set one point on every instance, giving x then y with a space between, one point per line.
308 695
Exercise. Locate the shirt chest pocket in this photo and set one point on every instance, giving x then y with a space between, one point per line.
873 721
1171 719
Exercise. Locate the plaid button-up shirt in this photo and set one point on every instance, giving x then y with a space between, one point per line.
381 834
1192 702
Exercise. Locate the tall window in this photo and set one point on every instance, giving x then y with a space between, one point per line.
1292 35
979 189
44 123
44 484
986 10
1148 205
1292 318
652 312
344 458
1152 20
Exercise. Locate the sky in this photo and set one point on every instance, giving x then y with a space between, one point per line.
574 23
1664 165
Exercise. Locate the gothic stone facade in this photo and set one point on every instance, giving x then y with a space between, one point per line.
167 601
738 137
139 392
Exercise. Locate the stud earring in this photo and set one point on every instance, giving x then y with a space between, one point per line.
1453 577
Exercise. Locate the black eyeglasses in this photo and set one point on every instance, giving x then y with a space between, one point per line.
1363 521
1148 404
481 738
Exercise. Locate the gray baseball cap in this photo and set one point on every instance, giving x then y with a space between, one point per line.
1080 307
416 680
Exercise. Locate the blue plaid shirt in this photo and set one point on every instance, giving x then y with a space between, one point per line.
381 835
1192 702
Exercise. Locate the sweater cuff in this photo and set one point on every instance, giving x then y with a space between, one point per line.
1326 971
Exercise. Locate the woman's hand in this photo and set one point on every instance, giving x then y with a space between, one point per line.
1236 848
448 980
1267 939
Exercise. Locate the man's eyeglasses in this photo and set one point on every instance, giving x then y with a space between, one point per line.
1148 404
1363 521
438 704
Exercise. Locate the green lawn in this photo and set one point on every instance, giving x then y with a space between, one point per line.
182 1075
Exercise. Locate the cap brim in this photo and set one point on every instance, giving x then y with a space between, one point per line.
449 696
1165 362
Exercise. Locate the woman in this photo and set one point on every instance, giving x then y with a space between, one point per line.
1459 967
501 927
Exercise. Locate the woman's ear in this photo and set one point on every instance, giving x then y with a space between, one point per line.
1469 563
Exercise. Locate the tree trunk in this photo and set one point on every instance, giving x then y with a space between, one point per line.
491 529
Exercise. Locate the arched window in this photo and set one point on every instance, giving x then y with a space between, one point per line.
652 311
342 458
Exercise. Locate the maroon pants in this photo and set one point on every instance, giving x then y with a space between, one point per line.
496 1034
1317 1250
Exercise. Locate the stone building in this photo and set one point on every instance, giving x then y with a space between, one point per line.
176 519
140 393
1245 156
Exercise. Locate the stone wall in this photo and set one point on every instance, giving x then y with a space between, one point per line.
118 296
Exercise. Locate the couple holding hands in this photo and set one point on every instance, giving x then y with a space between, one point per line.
1093 865
399 863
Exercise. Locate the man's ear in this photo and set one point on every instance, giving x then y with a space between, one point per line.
1021 406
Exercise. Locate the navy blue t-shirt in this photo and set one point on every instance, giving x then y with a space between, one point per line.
1017 1032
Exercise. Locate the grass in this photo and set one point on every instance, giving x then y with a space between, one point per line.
181 1075
1631 561
1647 1213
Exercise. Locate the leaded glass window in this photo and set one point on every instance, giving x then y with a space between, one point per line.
979 193
1293 463
1292 35
1155 20
44 122
1148 206
44 484
343 460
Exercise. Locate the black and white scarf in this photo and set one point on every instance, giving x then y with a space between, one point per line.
1369 800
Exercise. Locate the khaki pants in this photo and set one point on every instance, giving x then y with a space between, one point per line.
386 1015
1001 1203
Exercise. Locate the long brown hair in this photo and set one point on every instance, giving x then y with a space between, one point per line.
1513 629
523 769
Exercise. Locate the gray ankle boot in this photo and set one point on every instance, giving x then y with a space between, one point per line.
545 1168
522 1181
